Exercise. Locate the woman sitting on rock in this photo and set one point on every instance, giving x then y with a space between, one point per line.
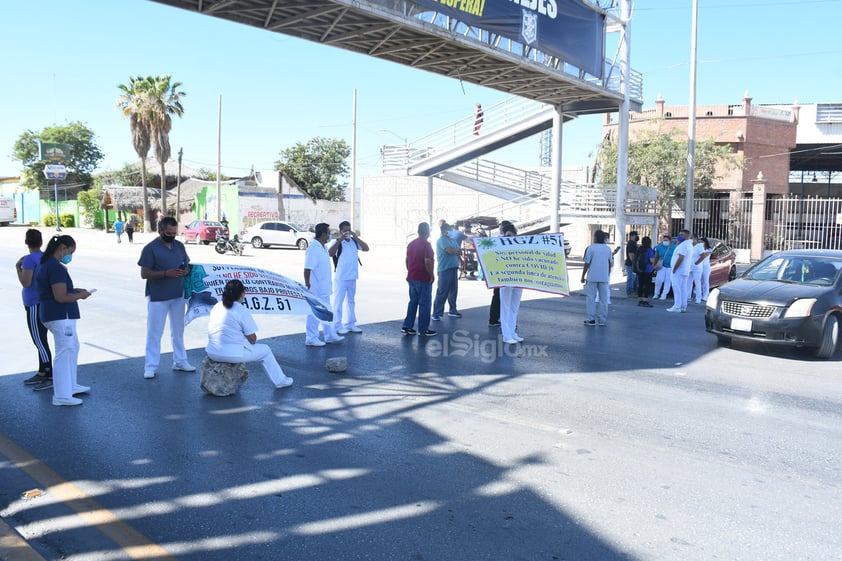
232 335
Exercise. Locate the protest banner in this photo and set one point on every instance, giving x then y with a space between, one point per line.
535 262
266 292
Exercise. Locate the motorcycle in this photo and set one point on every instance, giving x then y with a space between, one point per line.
225 244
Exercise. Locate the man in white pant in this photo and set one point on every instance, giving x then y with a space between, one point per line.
317 279
345 254
163 262
681 261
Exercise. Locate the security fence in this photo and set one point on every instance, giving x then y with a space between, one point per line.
789 223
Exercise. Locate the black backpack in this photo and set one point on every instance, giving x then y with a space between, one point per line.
640 260
339 252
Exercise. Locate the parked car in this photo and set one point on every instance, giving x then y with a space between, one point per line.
202 231
723 263
272 232
791 298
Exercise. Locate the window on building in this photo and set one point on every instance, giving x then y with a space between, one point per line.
829 113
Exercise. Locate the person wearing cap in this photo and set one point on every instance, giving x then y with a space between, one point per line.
631 253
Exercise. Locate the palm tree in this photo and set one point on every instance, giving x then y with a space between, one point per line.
149 103
164 101
133 104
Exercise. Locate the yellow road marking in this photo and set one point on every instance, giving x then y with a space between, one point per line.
135 544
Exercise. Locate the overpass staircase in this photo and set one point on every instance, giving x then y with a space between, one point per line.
453 153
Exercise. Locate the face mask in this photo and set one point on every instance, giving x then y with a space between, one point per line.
665 244
168 239
67 258
680 239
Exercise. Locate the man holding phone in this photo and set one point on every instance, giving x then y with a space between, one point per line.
346 262
163 263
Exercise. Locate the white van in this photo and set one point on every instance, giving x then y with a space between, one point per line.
8 212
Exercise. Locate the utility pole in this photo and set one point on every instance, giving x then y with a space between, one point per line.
691 128
178 188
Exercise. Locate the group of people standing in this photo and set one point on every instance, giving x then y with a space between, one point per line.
683 267
320 278
421 274
51 303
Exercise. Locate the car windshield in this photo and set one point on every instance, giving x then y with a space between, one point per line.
298 227
797 269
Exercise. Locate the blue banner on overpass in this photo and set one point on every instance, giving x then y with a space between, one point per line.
568 29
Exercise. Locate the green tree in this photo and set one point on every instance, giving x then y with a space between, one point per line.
83 160
318 167
150 103
208 175
129 175
90 203
660 160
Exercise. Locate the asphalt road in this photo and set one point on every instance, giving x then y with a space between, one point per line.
641 440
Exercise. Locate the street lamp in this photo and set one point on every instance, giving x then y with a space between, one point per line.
396 135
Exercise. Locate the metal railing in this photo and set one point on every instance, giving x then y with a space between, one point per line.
496 117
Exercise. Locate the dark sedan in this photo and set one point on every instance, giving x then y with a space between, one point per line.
791 298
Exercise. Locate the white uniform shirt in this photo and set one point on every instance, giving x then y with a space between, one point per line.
318 261
348 266
227 330
685 248
698 249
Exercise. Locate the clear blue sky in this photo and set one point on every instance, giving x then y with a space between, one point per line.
62 61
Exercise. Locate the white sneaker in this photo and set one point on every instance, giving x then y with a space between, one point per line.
79 388
316 343
149 374
336 339
673 309
184 367
511 341
342 331
355 329
286 382
66 401
518 338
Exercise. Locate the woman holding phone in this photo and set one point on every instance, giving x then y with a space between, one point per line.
59 311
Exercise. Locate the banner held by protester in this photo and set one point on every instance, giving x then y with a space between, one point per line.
266 292
535 262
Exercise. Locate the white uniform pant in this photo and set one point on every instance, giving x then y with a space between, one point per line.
345 291
65 357
509 307
258 352
695 284
705 280
156 317
663 280
313 323
680 286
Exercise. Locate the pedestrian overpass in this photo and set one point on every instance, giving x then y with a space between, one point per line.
410 34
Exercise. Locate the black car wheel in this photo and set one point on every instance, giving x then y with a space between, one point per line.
732 274
302 244
206 242
830 338
257 242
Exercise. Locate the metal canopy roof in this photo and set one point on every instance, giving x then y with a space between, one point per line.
406 34
816 157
